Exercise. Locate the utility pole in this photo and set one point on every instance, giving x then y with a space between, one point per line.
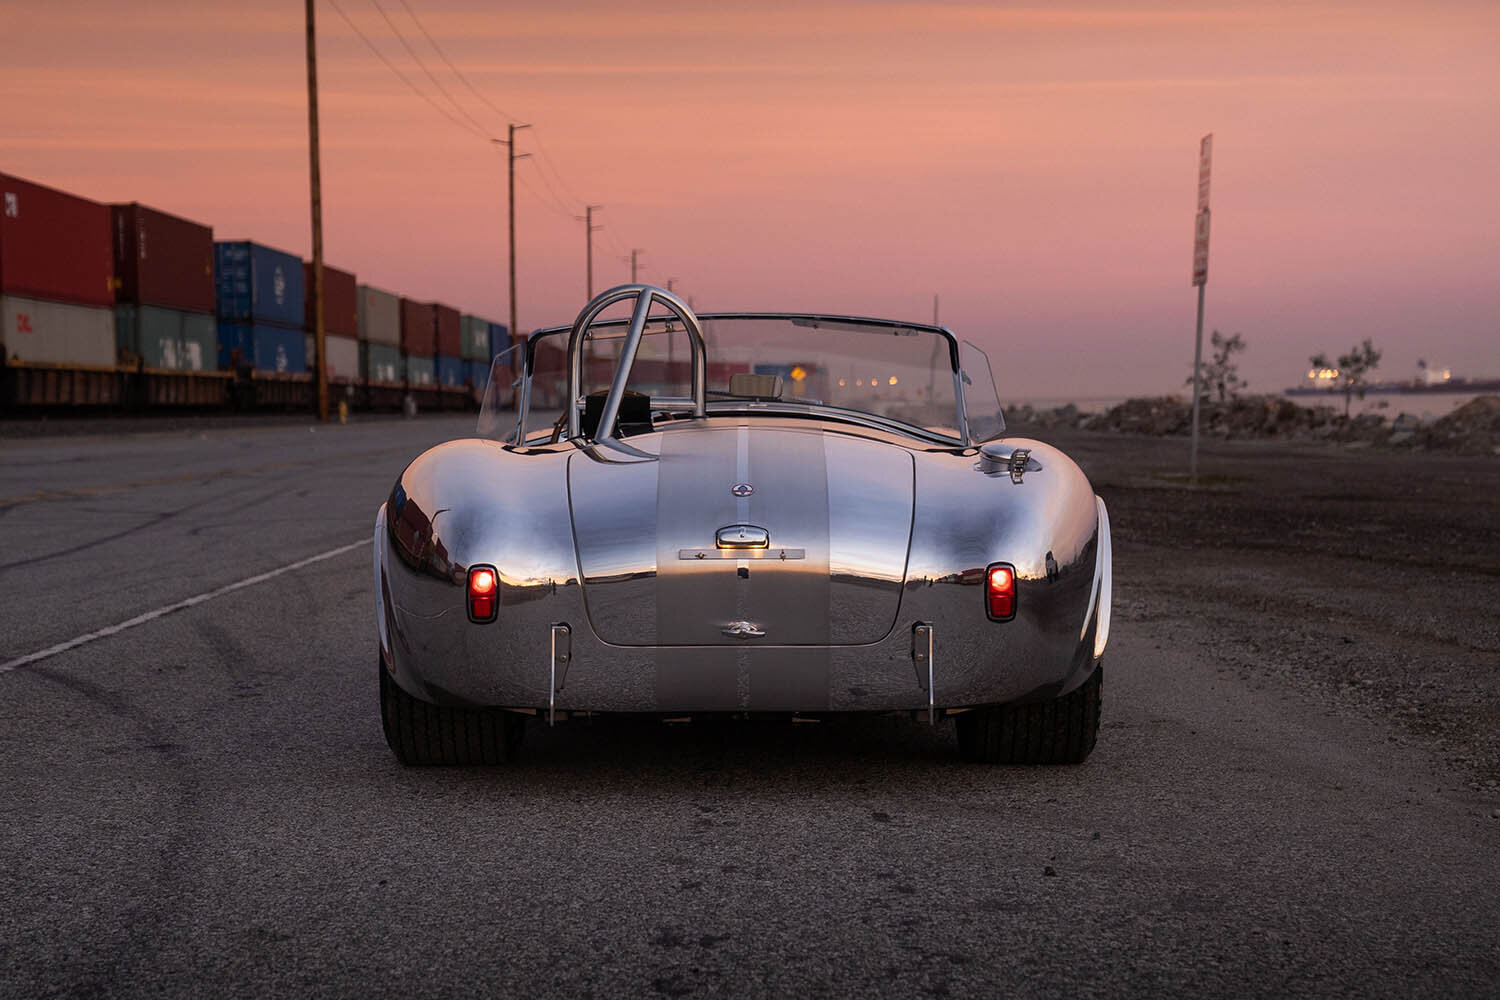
589 229
316 181
935 310
633 254
510 193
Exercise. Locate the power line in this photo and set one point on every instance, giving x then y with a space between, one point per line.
555 201
566 195
549 206
559 198
418 59
444 56
404 79
546 158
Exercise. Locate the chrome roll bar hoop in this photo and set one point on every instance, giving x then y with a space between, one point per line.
645 296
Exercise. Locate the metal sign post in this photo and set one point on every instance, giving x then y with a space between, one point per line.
1200 278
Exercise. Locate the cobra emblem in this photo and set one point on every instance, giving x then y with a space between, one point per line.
742 489
743 630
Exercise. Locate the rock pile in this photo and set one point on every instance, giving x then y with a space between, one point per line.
1047 417
1472 429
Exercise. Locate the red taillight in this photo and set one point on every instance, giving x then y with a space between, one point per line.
1000 592
484 588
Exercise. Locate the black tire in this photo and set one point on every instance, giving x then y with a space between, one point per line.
420 733
1060 731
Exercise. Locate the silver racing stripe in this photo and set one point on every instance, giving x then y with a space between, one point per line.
697 665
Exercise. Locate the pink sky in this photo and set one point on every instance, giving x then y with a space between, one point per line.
1036 167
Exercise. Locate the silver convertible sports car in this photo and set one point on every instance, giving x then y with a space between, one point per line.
740 514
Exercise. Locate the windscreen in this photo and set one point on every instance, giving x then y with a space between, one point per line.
981 401
899 373
895 372
499 409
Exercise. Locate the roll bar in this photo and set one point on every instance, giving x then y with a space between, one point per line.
645 296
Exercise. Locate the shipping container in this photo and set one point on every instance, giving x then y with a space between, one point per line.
381 363
450 371
340 301
476 338
54 247
343 356
57 333
262 347
450 331
161 260
379 316
257 285
420 370
418 328
154 337
499 339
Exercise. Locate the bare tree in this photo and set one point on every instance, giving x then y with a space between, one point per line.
1352 368
1220 373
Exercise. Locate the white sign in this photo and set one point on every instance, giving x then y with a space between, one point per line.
1200 228
1200 249
1205 162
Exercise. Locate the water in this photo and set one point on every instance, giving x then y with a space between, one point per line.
1085 404
1426 405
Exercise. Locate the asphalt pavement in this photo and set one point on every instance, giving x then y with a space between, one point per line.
202 803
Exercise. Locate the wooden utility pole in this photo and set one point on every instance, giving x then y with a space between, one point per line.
316 178
633 254
510 213
589 229
935 310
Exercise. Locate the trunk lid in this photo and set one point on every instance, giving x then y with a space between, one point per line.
659 567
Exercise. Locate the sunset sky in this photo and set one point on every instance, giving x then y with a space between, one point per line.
1035 166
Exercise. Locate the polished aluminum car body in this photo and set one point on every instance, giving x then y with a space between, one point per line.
742 555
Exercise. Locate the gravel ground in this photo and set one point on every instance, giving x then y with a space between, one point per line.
1293 792
1369 582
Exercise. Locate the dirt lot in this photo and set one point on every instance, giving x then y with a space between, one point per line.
1368 580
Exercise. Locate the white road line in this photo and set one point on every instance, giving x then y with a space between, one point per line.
142 619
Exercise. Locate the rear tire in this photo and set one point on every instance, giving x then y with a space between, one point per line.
1060 731
421 733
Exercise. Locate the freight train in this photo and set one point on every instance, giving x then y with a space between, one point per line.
127 308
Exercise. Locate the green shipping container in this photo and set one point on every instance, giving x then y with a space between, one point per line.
421 371
381 363
167 338
476 339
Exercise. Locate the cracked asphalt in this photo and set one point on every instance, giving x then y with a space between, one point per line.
1293 792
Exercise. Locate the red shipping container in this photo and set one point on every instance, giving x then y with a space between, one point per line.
53 245
418 328
340 301
450 331
161 260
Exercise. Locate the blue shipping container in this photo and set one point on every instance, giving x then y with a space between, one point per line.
479 374
499 338
450 371
255 284
266 348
